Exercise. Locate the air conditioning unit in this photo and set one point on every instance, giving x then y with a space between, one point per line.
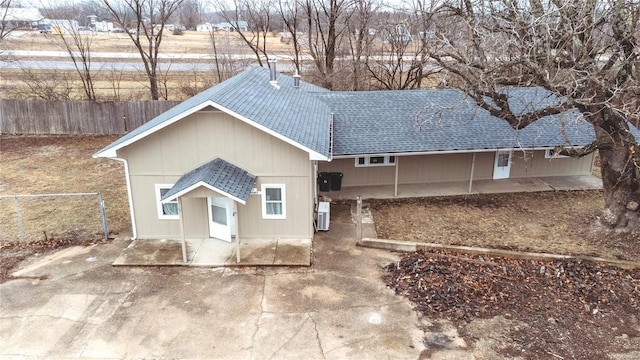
323 216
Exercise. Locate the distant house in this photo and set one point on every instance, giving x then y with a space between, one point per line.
26 18
232 26
103 26
399 34
208 27
60 26
243 157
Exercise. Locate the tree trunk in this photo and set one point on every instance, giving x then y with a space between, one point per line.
620 181
153 82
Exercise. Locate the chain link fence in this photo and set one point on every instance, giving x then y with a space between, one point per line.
75 216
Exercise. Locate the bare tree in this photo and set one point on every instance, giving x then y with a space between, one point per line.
144 22
403 57
325 22
290 13
257 15
190 13
361 30
221 60
585 53
115 76
5 26
195 81
45 85
77 43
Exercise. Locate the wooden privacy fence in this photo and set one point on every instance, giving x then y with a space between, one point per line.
77 117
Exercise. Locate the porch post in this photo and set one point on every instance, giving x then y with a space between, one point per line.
473 165
184 243
395 180
235 219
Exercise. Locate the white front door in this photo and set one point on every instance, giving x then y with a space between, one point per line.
502 166
222 223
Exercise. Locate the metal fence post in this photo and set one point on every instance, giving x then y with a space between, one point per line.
358 220
21 224
103 212
20 227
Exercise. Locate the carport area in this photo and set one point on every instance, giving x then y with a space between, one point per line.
215 253
452 188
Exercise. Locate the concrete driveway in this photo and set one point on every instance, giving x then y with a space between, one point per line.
75 304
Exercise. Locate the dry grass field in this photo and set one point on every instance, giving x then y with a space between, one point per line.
57 164
115 81
60 164
192 42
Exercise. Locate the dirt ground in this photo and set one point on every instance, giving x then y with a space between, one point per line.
555 222
568 309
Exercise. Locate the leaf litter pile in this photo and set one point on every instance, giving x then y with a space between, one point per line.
572 307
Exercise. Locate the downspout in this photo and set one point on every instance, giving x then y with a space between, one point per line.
473 166
182 237
331 138
395 179
134 232
236 223
314 182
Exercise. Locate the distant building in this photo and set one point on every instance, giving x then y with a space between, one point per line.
232 26
103 26
399 34
205 27
61 26
15 18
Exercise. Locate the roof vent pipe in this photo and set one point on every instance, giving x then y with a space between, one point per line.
296 80
272 70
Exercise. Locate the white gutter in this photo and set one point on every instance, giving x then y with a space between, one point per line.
443 152
134 232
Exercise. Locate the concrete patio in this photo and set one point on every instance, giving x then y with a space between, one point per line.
551 183
217 253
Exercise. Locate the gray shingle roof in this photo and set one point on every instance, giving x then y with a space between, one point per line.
220 175
378 122
292 113
374 122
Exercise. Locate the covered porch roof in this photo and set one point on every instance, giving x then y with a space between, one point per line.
217 175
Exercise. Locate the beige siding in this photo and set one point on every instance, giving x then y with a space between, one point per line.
145 208
413 169
454 167
299 211
353 176
533 163
161 158
443 167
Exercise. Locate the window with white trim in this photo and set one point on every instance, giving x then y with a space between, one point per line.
273 201
383 160
168 210
552 154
